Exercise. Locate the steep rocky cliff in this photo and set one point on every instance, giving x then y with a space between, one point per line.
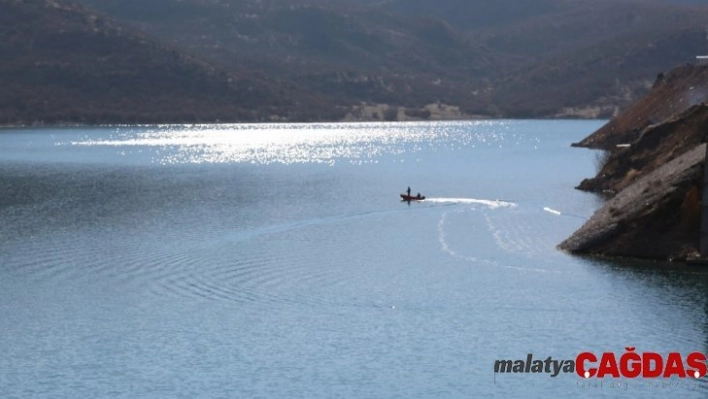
656 217
654 178
655 145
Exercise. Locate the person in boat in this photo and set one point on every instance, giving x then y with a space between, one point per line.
417 196
409 191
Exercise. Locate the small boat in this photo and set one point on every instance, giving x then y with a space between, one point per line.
406 197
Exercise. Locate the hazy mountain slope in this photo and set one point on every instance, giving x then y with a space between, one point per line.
608 56
316 59
505 58
474 14
62 63
350 52
599 80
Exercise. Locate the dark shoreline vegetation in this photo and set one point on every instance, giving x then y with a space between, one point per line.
652 171
97 62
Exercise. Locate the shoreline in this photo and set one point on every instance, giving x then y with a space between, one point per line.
281 122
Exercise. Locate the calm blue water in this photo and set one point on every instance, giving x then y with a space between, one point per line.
276 261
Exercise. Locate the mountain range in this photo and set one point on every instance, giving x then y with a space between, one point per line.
133 61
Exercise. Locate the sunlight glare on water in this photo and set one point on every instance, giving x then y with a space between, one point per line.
296 143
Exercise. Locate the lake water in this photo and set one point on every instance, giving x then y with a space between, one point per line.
274 261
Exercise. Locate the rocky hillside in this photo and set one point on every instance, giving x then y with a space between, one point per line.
535 58
127 61
654 177
63 63
670 94
347 53
655 145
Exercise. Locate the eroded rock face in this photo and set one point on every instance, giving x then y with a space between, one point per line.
671 94
653 170
657 216
655 146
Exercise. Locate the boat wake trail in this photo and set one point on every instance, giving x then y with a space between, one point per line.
490 203
553 211
559 213
445 246
474 234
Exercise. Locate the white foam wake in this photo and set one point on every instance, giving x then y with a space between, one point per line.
490 203
553 211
